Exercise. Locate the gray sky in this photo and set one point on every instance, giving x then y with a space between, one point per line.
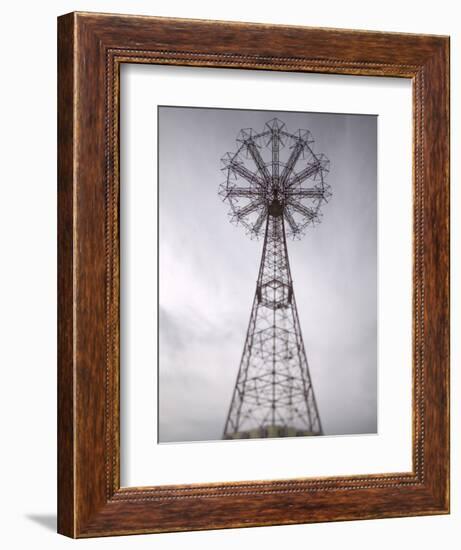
208 269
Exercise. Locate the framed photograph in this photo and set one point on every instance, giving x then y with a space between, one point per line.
253 259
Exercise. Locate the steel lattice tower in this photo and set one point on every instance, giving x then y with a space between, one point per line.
275 187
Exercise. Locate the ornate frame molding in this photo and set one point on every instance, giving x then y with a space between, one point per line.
91 49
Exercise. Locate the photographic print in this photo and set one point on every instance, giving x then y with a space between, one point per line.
267 323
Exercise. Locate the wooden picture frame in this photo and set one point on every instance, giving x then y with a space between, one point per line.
91 48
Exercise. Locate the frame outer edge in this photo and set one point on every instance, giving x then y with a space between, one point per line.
437 227
85 507
66 524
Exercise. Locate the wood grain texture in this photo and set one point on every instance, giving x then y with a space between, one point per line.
66 487
91 49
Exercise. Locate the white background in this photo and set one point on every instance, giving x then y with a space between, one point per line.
28 285
142 88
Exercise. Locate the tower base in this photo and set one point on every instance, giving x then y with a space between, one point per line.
270 431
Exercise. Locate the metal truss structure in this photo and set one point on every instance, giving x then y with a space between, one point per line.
275 187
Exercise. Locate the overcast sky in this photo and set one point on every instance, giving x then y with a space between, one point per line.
208 269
